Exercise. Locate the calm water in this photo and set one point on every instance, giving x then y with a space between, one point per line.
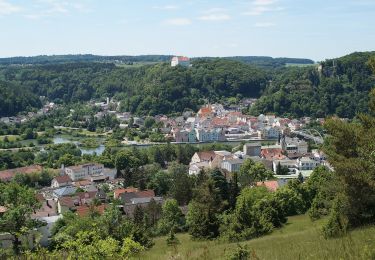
63 140
99 150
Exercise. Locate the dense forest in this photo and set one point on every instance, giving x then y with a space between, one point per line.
53 59
151 89
14 98
339 86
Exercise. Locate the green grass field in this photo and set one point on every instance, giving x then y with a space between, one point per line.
299 239
10 137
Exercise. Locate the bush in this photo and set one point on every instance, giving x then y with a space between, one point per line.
240 253
337 224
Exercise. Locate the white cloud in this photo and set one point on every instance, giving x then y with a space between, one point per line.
264 2
178 21
215 14
264 24
167 7
260 7
48 8
7 8
214 17
215 10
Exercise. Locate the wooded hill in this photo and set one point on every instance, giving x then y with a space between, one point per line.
263 61
341 86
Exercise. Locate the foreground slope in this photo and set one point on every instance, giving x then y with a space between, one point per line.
299 239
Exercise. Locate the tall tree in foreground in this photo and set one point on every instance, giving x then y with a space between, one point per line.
351 151
20 202
202 217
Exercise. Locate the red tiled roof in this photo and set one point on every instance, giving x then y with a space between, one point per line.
7 175
117 192
206 156
272 153
86 195
82 183
83 211
183 58
205 110
145 194
66 201
220 121
270 185
236 113
63 179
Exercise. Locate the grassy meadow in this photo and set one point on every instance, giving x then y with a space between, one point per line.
298 239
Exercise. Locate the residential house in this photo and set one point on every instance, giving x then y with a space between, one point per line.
127 196
290 164
89 170
206 111
65 204
118 192
272 154
205 156
185 136
180 61
61 181
210 135
294 145
64 191
252 149
272 185
48 207
232 164
306 163
85 210
196 168
270 132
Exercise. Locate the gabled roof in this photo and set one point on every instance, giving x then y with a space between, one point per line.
273 154
181 58
118 192
84 210
206 155
270 185
86 195
82 183
66 201
63 179
65 191
126 197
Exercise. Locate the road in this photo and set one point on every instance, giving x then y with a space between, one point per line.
316 139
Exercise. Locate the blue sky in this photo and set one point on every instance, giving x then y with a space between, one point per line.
315 29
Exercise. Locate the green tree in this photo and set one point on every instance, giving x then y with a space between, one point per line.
281 169
202 217
171 218
350 149
149 122
20 203
127 163
67 160
251 172
181 184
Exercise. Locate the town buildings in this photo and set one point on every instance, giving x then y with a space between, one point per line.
95 171
180 61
